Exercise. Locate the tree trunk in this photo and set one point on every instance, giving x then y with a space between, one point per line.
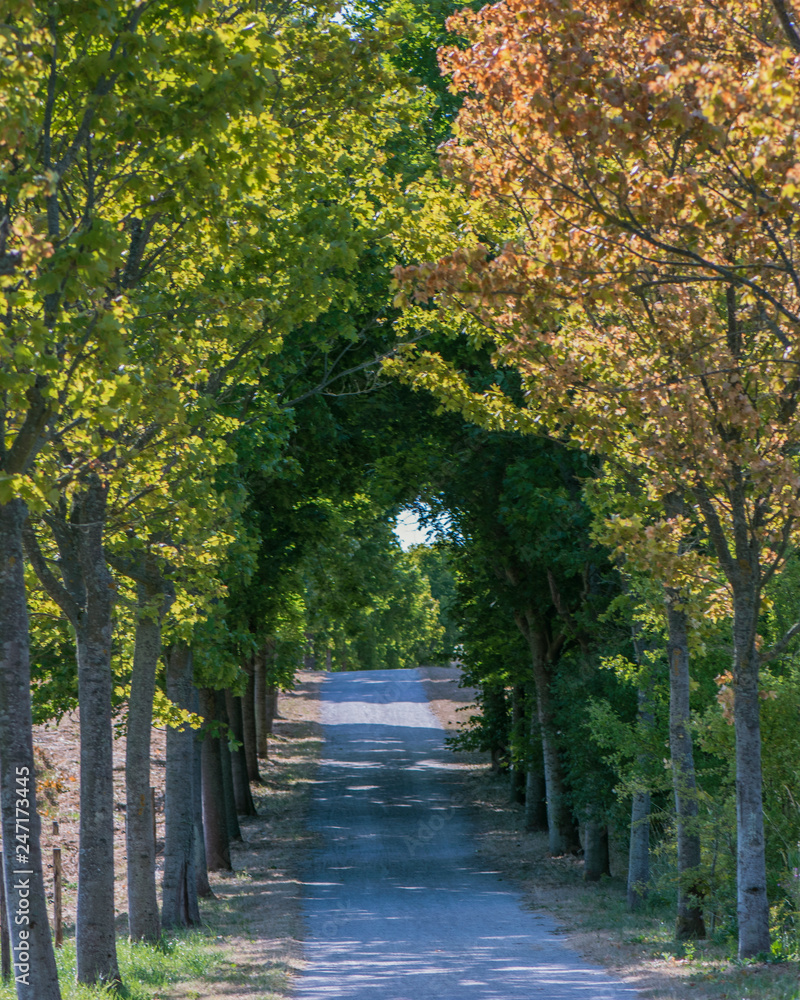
95 927
689 923
639 851
199 839
272 706
87 596
560 824
743 571
143 918
495 708
260 703
215 826
517 769
752 903
249 723
32 947
229 799
639 845
535 789
179 892
596 862
241 785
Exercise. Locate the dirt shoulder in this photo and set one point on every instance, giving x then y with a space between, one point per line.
637 949
253 928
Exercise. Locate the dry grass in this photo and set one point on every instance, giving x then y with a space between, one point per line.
636 948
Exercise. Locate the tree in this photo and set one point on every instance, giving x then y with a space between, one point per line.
642 276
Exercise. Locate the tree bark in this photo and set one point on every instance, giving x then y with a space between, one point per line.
272 706
691 891
36 978
179 892
95 925
199 840
560 824
752 903
743 570
596 862
229 799
535 788
215 826
260 703
639 851
87 598
241 785
516 770
249 723
143 917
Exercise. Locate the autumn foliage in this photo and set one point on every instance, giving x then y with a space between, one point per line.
634 173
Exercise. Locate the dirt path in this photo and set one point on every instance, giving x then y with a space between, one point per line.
397 901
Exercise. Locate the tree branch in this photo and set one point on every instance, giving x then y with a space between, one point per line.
23 449
52 585
787 23
781 646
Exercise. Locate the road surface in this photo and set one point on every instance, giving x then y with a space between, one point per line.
397 905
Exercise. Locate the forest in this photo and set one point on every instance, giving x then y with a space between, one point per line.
272 273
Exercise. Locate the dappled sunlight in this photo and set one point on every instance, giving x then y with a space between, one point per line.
397 903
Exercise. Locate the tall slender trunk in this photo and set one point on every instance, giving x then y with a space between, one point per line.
639 851
215 826
743 570
95 926
639 847
689 922
560 823
272 705
249 737
241 785
596 861
87 598
229 798
200 867
535 788
143 918
517 769
179 892
32 947
260 703
751 886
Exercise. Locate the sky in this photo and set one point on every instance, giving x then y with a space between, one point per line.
410 533
408 530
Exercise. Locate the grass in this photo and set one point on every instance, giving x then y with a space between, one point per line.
146 970
639 948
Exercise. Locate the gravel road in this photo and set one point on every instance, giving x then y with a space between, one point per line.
397 905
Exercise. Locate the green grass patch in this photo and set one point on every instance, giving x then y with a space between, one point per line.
146 970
